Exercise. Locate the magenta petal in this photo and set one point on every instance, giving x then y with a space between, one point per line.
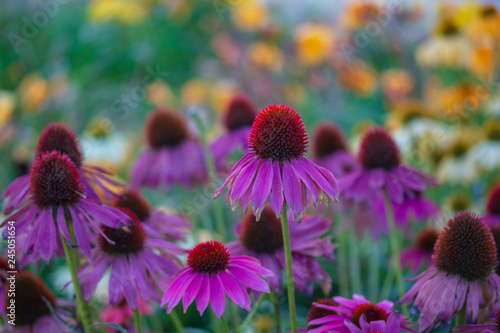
234 291
179 288
114 286
217 295
47 236
249 279
192 291
291 187
80 233
244 179
276 197
297 167
262 184
203 296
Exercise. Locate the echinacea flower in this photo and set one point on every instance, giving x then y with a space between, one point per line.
210 274
382 169
492 216
420 254
465 258
173 155
349 313
238 120
415 207
317 313
392 325
32 312
60 137
58 196
264 240
276 169
331 151
136 263
155 222
491 326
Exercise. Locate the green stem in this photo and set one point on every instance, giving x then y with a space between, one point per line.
176 321
289 271
461 317
137 320
224 324
354 261
234 316
395 249
373 267
214 322
219 216
342 265
252 314
387 285
274 298
80 301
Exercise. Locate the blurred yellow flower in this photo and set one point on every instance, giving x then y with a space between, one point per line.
406 111
266 56
487 24
314 43
358 13
357 77
33 93
263 324
125 11
482 60
448 47
464 13
220 95
7 104
159 93
459 100
397 83
195 92
250 15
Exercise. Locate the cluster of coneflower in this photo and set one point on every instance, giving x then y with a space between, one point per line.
66 208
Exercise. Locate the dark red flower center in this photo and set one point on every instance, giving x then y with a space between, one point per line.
264 236
129 239
60 137
165 128
497 321
426 239
495 231
209 257
240 112
55 181
4 268
466 247
371 312
29 297
493 204
317 312
135 201
328 140
378 150
279 134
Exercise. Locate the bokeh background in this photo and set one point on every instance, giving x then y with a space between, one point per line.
427 70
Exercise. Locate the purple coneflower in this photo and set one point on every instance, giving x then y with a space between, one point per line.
492 326
32 312
317 313
276 169
238 120
155 222
415 207
60 137
420 254
210 274
492 216
57 195
173 156
392 325
136 264
382 169
351 312
463 272
331 152
264 241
